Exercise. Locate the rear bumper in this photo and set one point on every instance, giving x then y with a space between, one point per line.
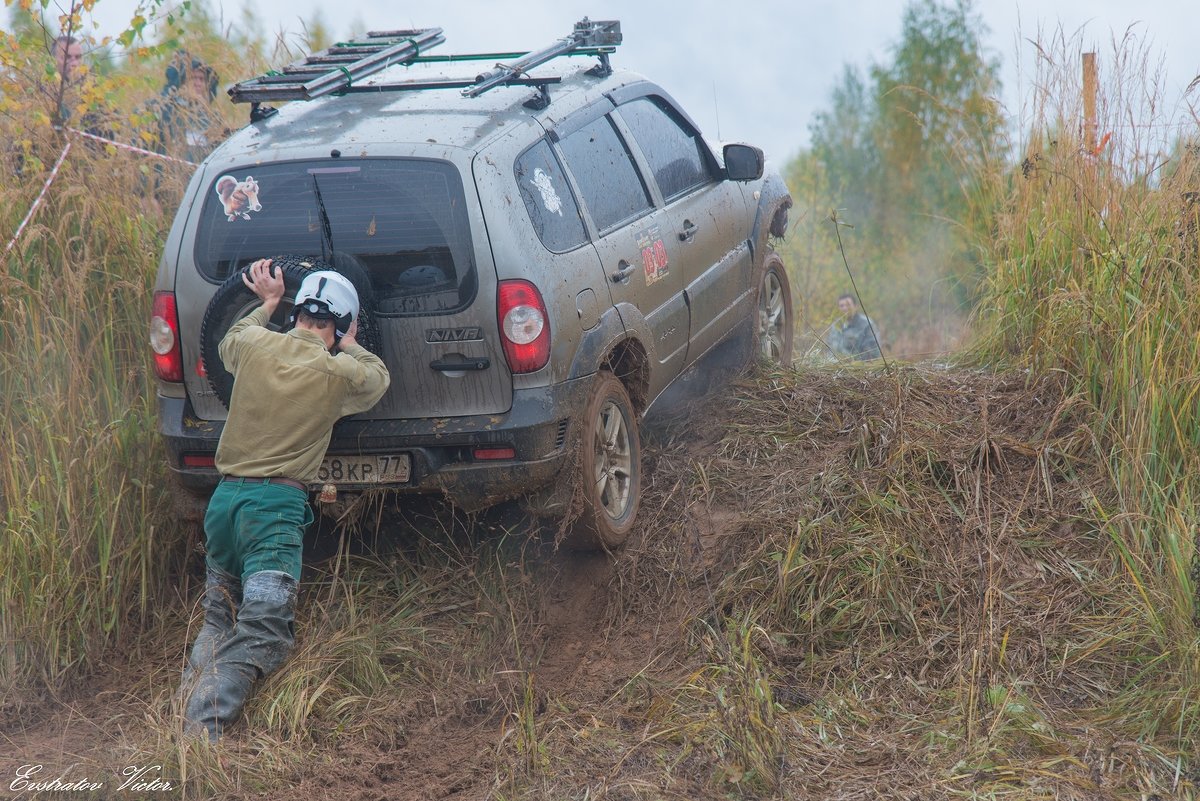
538 427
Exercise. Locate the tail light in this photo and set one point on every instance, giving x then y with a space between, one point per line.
524 326
164 338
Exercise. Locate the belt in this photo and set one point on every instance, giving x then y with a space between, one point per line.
287 482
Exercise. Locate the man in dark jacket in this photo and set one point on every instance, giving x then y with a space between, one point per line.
182 120
853 335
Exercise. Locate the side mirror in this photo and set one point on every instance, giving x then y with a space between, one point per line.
744 162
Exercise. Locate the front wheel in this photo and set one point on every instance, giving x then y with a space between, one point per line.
608 469
773 333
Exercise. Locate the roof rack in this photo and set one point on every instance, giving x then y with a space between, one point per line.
338 68
602 35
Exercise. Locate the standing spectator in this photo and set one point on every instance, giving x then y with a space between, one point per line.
852 335
67 52
61 92
79 104
184 124
68 55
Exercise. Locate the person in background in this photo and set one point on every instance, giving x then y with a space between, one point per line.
67 52
181 122
68 55
852 335
60 95
82 103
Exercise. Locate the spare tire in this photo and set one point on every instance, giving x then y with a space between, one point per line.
343 263
234 300
368 328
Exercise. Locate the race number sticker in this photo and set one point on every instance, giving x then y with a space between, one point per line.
654 254
238 197
545 187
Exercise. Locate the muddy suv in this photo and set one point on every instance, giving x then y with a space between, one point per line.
538 258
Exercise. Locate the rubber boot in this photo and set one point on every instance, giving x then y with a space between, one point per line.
222 594
262 639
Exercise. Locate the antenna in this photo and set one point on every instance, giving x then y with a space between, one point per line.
716 110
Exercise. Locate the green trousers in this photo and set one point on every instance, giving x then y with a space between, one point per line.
255 535
251 527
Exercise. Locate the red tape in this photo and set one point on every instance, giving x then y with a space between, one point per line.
38 202
130 148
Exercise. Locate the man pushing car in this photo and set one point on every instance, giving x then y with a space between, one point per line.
289 389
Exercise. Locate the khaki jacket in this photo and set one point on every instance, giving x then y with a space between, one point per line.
288 391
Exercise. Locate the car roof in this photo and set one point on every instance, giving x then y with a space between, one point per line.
438 116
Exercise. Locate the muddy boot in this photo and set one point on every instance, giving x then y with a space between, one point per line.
261 641
222 594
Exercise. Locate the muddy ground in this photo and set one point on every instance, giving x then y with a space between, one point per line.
836 582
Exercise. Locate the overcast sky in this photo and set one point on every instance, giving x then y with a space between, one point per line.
748 70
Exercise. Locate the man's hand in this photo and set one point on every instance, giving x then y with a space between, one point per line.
349 339
269 288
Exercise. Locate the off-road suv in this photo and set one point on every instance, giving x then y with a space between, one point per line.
538 257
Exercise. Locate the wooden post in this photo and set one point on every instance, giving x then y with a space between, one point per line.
1090 88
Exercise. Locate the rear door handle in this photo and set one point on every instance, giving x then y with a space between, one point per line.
471 363
623 271
689 231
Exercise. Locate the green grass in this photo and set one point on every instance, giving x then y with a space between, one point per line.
1094 275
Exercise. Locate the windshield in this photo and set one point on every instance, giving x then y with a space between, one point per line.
403 221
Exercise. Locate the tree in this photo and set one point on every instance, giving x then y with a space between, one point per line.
937 119
903 154
842 144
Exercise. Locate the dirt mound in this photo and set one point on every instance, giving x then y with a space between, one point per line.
842 585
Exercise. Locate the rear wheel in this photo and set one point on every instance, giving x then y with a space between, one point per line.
608 468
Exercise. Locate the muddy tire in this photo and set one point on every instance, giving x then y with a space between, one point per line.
368 329
608 468
774 323
233 301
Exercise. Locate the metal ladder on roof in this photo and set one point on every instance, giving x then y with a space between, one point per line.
341 67
336 68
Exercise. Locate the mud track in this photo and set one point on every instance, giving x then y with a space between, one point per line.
936 523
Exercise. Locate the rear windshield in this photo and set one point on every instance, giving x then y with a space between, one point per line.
402 221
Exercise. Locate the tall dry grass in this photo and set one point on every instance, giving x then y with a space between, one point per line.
87 547
1095 259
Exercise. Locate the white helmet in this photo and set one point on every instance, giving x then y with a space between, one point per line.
327 295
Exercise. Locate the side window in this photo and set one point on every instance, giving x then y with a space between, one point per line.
605 173
548 199
675 152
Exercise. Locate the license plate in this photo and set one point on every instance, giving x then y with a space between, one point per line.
392 469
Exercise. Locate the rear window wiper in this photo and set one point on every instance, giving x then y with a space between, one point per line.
326 228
